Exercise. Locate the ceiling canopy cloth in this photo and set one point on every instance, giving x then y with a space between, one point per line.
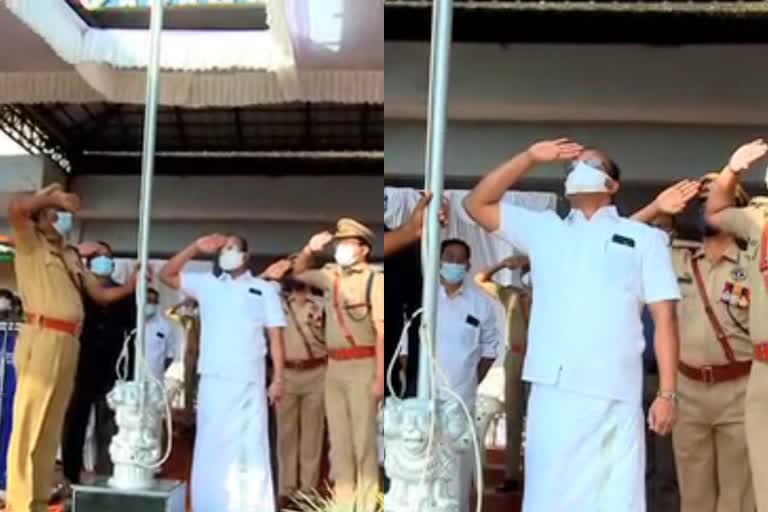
199 68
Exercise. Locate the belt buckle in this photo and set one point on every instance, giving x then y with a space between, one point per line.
708 374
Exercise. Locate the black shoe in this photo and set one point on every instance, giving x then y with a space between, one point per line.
509 486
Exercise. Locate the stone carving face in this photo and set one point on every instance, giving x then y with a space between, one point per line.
414 426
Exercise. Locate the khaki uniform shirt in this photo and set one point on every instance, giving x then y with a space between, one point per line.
729 295
518 308
748 223
359 316
303 333
50 277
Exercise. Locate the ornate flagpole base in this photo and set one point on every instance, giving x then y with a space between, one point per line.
423 478
136 446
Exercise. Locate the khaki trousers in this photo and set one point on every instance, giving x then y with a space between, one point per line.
514 398
352 416
46 362
300 430
711 447
757 431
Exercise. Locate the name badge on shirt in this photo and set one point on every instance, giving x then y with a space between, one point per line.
623 240
474 322
254 291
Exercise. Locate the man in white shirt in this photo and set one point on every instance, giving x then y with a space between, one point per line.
162 347
231 467
594 271
467 340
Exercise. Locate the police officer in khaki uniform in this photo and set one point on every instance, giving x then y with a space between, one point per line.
51 279
750 223
517 303
301 412
715 360
354 333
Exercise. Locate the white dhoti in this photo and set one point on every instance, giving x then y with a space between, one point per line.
583 453
231 469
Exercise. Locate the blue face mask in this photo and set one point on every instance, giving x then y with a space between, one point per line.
63 224
102 266
453 273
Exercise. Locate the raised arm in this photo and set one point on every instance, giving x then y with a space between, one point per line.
723 188
482 204
24 207
304 264
484 278
410 232
671 201
105 296
170 274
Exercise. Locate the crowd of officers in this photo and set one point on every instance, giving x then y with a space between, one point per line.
716 460
333 342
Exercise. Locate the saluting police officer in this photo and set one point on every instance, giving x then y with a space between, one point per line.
51 281
750 223
715 359
517 303
301 413
354 333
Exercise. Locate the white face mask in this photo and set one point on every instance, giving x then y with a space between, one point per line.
585 179
231 259
345 255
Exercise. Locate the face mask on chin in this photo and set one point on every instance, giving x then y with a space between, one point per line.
231 259
586 179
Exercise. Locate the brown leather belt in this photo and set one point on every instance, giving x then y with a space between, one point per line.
358 352
716 373
761 352
305 364
54 324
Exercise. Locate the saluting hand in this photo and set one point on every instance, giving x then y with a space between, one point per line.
211 244
318 242
66 201
555 150
662 416
674 199
278 269
417 216
743 158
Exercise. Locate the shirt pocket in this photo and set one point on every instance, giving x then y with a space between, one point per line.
620 265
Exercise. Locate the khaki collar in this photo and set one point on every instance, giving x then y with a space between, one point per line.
731 253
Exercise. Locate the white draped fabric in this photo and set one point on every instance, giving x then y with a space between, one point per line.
583 453
205 68
231 469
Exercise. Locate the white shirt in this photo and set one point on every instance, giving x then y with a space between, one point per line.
233 316
591 279
161 344
467 331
